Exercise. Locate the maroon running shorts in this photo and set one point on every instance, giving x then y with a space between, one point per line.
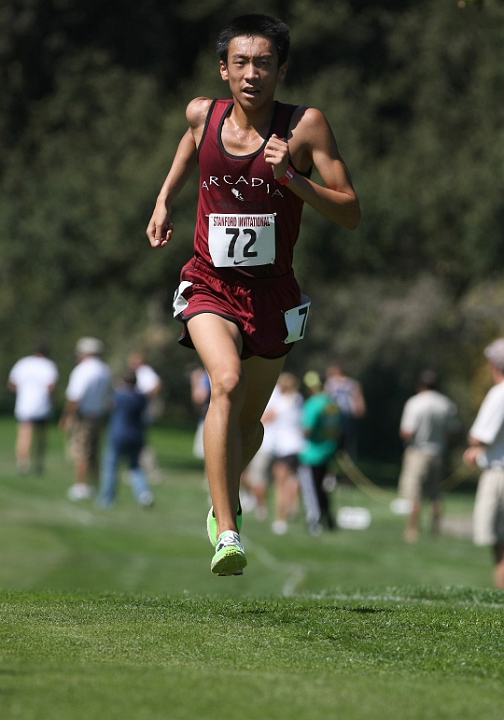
256 305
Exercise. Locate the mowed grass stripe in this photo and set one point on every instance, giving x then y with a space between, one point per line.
299 656
276 633
179 693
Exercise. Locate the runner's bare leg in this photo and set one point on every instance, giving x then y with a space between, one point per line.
240 391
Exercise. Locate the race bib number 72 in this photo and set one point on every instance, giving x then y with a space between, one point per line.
235 240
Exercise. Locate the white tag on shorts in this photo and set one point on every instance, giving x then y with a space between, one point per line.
179 301
295 320
241 239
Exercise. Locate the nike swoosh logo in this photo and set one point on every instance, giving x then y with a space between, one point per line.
238 262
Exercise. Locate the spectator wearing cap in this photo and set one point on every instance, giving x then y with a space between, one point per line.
486 450
428 420
321 425
87 403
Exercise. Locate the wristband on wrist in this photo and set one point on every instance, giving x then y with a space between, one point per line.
287 177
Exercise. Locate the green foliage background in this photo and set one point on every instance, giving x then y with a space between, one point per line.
92 99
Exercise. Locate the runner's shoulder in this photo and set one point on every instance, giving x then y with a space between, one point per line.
308 120
197 110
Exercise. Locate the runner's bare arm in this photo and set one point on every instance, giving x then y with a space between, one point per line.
160 229
313 142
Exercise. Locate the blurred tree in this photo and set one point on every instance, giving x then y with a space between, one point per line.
424 141
36 35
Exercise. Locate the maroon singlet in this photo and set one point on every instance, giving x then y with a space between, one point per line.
232 184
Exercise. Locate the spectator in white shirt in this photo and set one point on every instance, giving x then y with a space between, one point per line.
87 403
33 379
284 413
486 450
428 420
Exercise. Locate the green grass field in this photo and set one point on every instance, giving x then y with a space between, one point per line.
115 613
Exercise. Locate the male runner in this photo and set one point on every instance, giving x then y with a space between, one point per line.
240 304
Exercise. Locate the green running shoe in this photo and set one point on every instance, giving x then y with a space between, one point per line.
229 558
211 524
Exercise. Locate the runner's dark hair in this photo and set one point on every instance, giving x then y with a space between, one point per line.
276 31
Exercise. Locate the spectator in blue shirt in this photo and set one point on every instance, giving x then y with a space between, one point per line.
125 440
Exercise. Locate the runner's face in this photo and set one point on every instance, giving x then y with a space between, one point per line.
252 70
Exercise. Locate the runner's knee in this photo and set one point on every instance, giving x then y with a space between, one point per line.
228 385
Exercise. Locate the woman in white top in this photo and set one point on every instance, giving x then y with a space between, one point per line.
284 413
